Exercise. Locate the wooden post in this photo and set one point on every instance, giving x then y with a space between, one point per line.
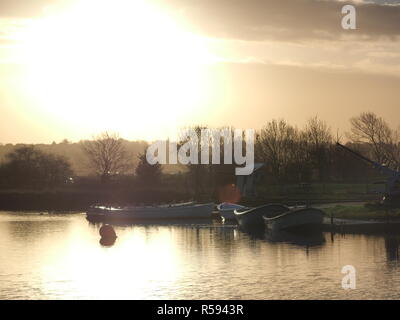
333 227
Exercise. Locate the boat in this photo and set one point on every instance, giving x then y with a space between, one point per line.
226 210
305 218
252 219
160 212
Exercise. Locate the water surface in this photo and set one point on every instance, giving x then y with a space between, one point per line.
60 257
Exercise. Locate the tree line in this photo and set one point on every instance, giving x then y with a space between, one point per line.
310 154
291 155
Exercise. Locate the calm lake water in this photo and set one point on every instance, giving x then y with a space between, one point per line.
60 257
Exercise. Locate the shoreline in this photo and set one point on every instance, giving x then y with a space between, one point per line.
81 200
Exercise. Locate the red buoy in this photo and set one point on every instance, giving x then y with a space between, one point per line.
107 232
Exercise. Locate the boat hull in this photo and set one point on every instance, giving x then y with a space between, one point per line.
199 211
252 220
301 219
226 210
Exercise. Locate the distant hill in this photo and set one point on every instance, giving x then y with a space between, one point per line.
74 153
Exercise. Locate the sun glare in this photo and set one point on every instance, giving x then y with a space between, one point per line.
116 65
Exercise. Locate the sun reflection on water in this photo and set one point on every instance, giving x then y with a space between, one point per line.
136 265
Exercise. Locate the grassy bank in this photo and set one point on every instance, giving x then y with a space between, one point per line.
362 212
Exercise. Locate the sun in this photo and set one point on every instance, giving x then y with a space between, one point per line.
118 65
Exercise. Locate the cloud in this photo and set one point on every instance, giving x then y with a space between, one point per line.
286 20
299 92
258 20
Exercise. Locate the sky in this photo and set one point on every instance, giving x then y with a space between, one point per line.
73 68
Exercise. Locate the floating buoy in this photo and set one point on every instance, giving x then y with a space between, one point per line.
107 242
107 232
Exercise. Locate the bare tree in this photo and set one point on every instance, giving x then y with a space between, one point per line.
375 131
394 149
199 173
319 139
107 155
207 178
277 144
318 133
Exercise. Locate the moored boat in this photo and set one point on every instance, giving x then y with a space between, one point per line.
226 210
172 211
305 218
252 219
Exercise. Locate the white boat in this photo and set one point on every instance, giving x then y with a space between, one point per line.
172 211
306 218
226 210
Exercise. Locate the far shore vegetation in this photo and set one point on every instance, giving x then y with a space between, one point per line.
362 212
